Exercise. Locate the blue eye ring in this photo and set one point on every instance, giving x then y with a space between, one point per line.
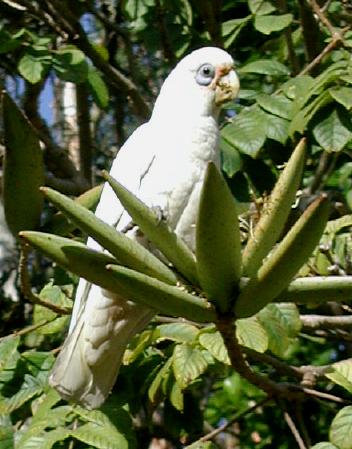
205 74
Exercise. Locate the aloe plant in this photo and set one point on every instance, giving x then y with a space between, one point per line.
219 283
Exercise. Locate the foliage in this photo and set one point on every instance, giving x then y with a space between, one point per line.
181 378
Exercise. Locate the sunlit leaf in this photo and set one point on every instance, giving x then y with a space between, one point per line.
268 24
188 364
341 428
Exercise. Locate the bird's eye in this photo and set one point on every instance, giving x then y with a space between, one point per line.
205 74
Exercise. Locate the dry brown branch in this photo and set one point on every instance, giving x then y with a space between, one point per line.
313 322
295 432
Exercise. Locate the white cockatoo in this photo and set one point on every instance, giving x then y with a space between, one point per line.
163 163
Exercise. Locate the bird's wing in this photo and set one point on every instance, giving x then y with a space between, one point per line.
129 168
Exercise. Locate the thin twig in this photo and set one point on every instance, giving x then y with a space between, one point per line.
331 45
237 417
313 322
322 17
292 426
28 329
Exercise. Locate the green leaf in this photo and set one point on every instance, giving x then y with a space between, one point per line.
70 64
275 212
126 250
285 260
157 231
250 333
277 128
30 388
265 67
212 341
98 88
260 7
230 157
342 95
165 298
46 440
247 132
341 374
232 28
54 295
334 131
23 170
155 386
188 364
31 68
179 332
275 104
99 430
8 347
101 437
341 429
278 338
288 315
268 24
176 397
324 445
7 437
218 243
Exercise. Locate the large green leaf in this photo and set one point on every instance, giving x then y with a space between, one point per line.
23 170
218 243
98 88
250 333
126 250
341 374
278 336
70 64
212 341
275 212
275 104
8 347
31 387
179 332
260 7
342 95
268 24
188 364
31 68
157 231
341 429
168 299
232 28
265 67
334 131
247 132
324 445
280 267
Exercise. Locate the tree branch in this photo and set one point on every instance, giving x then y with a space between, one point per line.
85 152
314 322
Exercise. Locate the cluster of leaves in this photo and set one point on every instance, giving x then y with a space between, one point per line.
182 370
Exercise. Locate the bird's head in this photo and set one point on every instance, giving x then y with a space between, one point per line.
200 83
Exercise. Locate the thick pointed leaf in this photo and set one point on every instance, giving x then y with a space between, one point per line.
318 290
275 213
73 256
284 262
165 298
127 251
218 244
23 170
59 224
341 429
157 231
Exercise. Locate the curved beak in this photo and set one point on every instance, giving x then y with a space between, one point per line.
226 84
